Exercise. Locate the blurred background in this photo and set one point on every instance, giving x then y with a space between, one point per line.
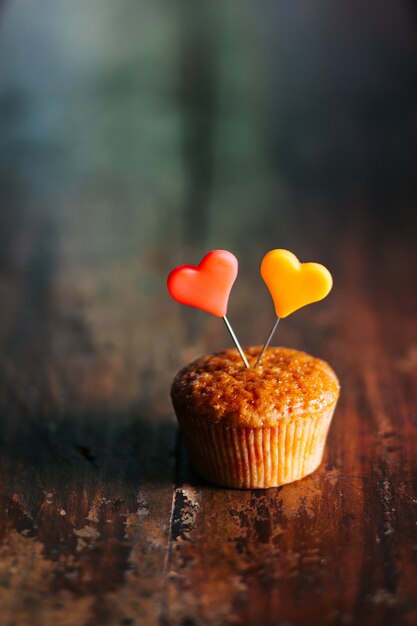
135 136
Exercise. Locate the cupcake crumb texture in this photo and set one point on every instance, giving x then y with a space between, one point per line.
287 383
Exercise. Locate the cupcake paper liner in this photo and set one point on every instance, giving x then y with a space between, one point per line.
257 458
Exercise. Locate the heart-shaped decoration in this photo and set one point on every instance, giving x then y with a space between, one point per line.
207 285
293 284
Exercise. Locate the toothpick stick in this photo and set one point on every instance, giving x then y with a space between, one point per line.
236 342
267 342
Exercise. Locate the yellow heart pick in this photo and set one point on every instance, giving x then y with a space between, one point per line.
293 284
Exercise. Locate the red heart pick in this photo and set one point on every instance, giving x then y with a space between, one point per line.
207 285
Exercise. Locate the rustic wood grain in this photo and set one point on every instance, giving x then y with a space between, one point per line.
102 521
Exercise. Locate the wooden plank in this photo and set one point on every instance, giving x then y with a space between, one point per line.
85 488
330 549
101 524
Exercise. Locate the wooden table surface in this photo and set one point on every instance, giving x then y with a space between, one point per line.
137 136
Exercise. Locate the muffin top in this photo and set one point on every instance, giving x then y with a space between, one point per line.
287 383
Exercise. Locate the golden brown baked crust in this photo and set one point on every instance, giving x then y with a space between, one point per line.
287 383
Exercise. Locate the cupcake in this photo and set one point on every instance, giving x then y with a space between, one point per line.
255 427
